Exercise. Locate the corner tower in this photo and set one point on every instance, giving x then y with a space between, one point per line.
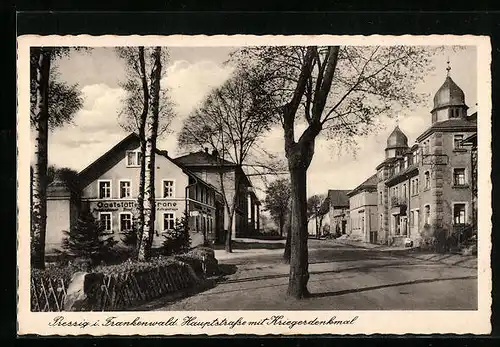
397 143
449 101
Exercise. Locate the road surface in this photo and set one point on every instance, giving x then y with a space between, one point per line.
342 277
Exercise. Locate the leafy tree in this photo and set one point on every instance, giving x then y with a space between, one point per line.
231 121
277 201
338 92
130 239
88 240
65 174
178 239
52 103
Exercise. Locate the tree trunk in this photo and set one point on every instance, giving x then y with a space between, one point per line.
140 194
39 199
228 247
282 221
286 254
299 275
149 177
142 139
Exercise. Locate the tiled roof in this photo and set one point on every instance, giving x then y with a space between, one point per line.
371 182
101 164
202 158
338 198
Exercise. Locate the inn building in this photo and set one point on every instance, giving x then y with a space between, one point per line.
428 185
109 188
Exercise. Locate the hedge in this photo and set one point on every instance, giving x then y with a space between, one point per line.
121 286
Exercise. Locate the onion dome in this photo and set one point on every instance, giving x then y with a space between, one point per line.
449 94
397 139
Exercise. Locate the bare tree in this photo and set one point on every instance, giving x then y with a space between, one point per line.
314 209
231 121
53 103
340 92
137 105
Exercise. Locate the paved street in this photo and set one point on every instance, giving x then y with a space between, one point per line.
342 277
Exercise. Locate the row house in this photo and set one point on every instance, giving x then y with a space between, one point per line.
429 185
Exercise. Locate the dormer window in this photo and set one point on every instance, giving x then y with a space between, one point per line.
133 158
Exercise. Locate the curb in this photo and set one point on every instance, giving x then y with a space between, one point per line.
408 253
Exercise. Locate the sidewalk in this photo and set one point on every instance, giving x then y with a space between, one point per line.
468 261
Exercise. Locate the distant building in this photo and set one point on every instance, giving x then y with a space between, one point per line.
363 211
108 187
334 213
211 168
428 186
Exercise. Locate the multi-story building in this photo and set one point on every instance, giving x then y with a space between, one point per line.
428 185
363 211
109 187
229 179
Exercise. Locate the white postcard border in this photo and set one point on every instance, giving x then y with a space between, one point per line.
363 322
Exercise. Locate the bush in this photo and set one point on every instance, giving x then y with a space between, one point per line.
427 238
177 240
88 241
130 241
202 260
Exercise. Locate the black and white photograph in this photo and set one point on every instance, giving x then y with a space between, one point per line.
311 184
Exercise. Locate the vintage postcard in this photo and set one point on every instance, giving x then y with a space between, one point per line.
206 185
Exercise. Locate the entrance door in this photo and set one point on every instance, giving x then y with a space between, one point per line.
397 225
344 225
373 237
363 228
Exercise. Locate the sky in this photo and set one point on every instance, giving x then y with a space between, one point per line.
192 73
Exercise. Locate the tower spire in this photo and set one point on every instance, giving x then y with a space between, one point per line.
448 68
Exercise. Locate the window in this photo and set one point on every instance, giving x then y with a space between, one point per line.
459 177
404 191
168 221
459 213
202 199
417 157
427 177
416 185
134 158
104 189
125 221
105 221
380 199
427 214
168 189
125 189
457 141
405 165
